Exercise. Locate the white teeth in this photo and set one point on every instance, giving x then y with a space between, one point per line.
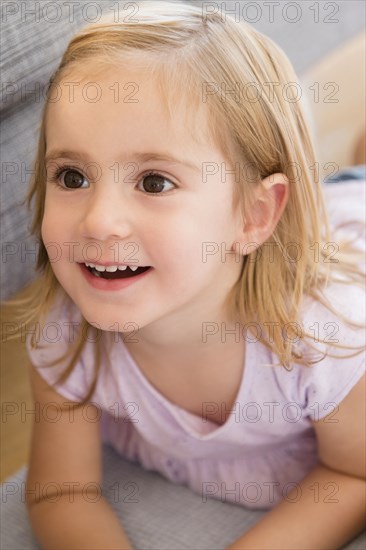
111 268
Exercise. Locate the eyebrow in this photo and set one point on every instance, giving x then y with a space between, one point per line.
140 157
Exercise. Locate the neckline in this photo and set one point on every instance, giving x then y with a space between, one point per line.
186 419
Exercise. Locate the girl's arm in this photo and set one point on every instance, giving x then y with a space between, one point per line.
64 481
329 513
329 505
80 525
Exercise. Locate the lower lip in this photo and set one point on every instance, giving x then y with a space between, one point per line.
111 284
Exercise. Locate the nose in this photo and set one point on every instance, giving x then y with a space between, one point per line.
107 213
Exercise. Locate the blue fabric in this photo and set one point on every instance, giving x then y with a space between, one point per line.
350 173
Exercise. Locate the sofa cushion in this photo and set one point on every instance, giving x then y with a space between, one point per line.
154 512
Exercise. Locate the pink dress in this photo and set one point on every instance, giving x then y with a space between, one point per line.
267 444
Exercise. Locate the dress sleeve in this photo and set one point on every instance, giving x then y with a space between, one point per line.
321 387
51 341
326 384
346 209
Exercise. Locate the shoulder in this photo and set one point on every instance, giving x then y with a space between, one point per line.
347 302
347 195
55 332
51 345
341 435
324 384
345 203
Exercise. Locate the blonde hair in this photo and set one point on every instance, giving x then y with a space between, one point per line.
269 134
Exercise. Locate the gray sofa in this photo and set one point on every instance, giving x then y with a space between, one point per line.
160 516
165 516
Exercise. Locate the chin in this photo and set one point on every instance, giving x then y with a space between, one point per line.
110 323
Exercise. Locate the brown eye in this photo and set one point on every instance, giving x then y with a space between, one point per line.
72 179
155 183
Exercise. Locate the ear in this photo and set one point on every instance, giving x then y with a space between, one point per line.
271 197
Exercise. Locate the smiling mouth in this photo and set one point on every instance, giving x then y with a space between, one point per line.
127 273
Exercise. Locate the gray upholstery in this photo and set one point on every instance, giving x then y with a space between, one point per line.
164 517
30 52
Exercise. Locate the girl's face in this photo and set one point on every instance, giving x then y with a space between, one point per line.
105 208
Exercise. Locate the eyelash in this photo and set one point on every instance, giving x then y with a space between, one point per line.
54 179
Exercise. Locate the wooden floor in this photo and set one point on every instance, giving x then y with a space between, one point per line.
16 417
337 127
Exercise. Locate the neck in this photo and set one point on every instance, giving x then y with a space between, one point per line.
211 334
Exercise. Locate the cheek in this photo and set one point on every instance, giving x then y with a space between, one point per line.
47 228
51 230
55 222
187 256
54 236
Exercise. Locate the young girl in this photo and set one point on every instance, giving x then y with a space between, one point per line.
196 308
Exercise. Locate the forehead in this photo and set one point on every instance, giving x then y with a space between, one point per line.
119 107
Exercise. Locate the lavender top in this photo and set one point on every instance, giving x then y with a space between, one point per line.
267 444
